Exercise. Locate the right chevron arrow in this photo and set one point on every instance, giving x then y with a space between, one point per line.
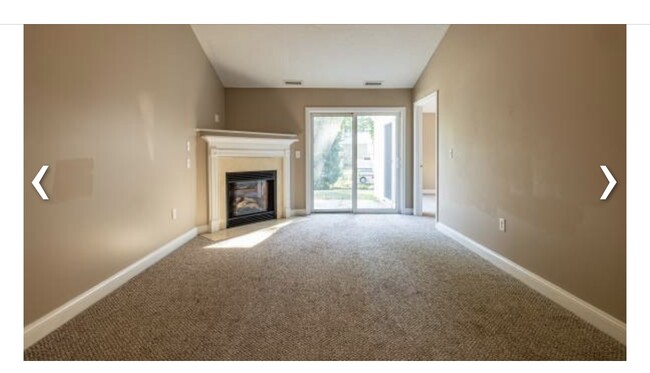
611 184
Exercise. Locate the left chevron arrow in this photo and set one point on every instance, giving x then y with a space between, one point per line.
37 182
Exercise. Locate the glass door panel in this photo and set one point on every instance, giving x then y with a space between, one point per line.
332 162
376 152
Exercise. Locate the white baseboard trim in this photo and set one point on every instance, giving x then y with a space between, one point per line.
428 191
202 229
48 323
296 212
589 313
407 211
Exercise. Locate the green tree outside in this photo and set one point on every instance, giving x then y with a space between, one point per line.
331 165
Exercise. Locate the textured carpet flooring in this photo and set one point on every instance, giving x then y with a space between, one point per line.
360 287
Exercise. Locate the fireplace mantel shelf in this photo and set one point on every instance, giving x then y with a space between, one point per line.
218 132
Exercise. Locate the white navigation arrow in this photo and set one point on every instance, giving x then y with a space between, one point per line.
37 182
611 184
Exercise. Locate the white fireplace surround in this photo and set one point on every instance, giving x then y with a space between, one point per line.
224 143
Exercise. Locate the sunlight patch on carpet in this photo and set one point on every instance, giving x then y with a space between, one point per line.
249 240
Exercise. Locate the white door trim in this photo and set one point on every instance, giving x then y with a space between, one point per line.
401 161
417 153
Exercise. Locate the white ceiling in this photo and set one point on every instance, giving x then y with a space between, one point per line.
322 56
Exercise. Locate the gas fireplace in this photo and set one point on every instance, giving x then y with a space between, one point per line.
250 197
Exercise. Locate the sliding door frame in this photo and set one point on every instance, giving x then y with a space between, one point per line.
400 202
395 181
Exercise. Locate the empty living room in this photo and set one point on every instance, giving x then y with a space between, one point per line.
323 191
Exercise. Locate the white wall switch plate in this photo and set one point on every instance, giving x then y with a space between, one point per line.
216 118
187 145
297 154
502 224
451 153
174 214
189 162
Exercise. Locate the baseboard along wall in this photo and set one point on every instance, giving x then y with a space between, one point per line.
584 310
589 313
48 323
296 212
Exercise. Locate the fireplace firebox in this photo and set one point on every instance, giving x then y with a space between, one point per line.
250 197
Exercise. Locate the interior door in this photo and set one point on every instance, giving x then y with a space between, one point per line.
376 154
332 162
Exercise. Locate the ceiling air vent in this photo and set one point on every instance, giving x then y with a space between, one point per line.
374 83
293 82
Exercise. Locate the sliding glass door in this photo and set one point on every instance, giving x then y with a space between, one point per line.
376 154
353 162
332 162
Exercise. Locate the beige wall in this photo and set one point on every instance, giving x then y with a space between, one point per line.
283 110
428 151
109 108
531 112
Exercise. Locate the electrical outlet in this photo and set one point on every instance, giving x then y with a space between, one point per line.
502 224
174 213
187 145
451 153
189 162
216 118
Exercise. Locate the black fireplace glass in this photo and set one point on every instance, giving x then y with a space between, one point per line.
249 197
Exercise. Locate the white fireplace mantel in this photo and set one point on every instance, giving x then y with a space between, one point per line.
245 144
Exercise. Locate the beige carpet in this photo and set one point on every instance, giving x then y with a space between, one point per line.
360 287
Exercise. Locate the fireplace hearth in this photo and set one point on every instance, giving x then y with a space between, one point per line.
250 197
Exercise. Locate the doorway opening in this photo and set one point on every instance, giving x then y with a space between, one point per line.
353 160
425 157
